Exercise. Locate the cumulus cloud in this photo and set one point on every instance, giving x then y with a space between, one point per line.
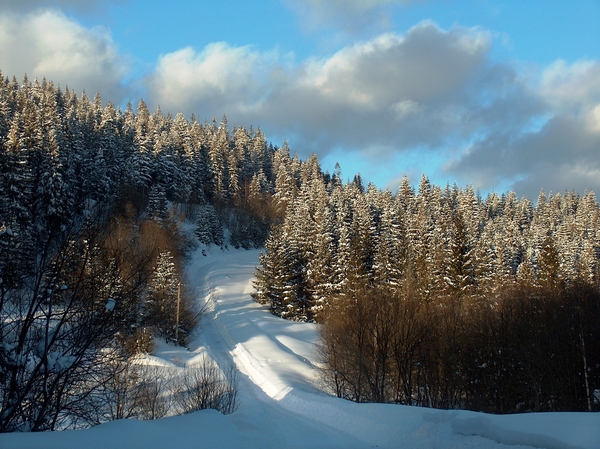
391 92
220 79
573 89
432 91
562 152
47 44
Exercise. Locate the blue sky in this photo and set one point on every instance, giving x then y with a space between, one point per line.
496 94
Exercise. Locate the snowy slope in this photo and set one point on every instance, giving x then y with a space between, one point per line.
281 404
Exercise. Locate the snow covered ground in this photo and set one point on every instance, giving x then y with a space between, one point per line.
281 405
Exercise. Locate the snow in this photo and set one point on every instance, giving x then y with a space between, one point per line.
281 404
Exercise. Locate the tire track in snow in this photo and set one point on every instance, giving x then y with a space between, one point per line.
222 302
256 387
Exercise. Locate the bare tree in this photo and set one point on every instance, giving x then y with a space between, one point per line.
57 327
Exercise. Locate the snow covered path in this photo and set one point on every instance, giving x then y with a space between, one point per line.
281 405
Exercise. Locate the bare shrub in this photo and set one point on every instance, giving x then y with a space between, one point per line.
372 342
129 390
207 387
153 393
521 348
116 399
140 342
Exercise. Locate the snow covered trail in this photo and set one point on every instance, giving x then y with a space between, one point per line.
279 358
272 355
281 405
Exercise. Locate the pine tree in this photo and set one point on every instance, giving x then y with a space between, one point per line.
208 226
218 154
161 304
362 238
420 229
273 278
241 152
405 197
260 155
486 257
157 202
16 189
320 266
389 262
201 176
295 299
141 161
460 273
548 265
110 145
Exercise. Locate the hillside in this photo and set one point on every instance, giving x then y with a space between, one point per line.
281 404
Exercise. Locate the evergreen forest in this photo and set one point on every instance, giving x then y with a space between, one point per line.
439 298
431 296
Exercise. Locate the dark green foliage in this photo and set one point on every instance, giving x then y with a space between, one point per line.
76 180
208 227
474 272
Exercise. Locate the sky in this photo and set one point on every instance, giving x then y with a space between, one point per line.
497 94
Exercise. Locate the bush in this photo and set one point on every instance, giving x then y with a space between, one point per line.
207 387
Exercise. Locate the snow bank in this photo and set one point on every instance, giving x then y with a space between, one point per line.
484 427
206 428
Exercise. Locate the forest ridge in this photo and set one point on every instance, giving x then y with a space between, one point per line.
432 297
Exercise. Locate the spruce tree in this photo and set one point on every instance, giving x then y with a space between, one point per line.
208 227
161 304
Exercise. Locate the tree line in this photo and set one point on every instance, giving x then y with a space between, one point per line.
90 252
438 297
432 296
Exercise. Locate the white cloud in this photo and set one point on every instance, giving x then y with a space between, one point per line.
405 108
220 79
360 97
392 92
48 44
566 84
574 90
561 154
350 16
594 119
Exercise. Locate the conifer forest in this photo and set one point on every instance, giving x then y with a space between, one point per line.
432 296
